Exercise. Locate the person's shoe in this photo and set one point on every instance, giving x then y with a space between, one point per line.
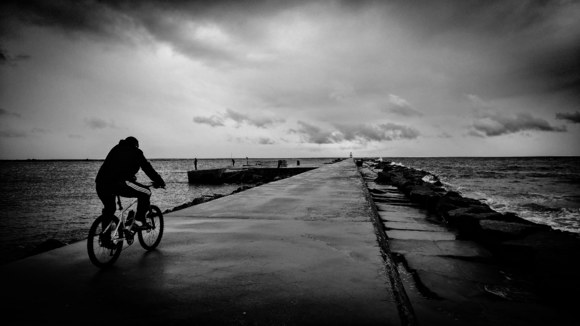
139 226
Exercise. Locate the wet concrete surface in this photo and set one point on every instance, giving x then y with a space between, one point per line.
299 251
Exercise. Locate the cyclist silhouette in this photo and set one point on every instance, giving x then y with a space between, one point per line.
117 177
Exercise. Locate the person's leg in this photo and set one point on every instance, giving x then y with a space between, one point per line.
108 198
136 190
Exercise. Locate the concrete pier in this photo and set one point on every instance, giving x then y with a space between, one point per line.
299 251
318 248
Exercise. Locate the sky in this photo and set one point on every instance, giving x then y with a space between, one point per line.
327 78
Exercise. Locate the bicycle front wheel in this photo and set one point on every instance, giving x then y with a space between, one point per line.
150 237
103 247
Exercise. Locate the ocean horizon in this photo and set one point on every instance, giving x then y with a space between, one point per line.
305 157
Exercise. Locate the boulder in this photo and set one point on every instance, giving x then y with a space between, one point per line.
466 220
453 200
495 231
425 195
391 178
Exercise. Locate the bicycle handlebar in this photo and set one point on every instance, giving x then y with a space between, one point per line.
153 185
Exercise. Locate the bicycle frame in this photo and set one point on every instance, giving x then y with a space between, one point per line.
116 236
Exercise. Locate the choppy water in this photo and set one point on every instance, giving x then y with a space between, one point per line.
41 200
540 189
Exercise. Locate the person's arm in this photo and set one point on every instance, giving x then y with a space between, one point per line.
150 171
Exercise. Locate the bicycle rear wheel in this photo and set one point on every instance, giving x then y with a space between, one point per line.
103 249
150 237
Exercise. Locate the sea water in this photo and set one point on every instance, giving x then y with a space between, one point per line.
41 200
544 190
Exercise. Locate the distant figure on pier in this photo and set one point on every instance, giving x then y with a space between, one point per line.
195 163
233 162
117 177
298 163
279 163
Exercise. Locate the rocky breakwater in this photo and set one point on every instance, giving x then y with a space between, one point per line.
551 258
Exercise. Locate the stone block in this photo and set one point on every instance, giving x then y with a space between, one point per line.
494 231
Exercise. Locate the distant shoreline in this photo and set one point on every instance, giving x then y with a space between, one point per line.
167 159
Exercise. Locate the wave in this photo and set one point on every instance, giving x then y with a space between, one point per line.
397 164
540 208
430 178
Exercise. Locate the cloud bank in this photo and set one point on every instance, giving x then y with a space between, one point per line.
496 124
571 117
354 133
238 118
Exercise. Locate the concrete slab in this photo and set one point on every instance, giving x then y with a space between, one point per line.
388 216
299 251
454 268
420 235
386 210
413 226
456 248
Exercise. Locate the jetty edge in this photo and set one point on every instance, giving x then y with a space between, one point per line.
551 258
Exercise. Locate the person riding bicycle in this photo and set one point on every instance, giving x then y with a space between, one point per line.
117 177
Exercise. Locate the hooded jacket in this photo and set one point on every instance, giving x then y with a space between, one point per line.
122 164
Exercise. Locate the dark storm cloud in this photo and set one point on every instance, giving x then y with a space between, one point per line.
260 122
314 134
8 59
8 113
165 21
536 41
266 141
572 117
497 124
95 17
213 121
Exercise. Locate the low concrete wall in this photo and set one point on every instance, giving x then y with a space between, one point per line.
250 175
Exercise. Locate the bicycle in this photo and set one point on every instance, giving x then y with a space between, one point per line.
108 233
